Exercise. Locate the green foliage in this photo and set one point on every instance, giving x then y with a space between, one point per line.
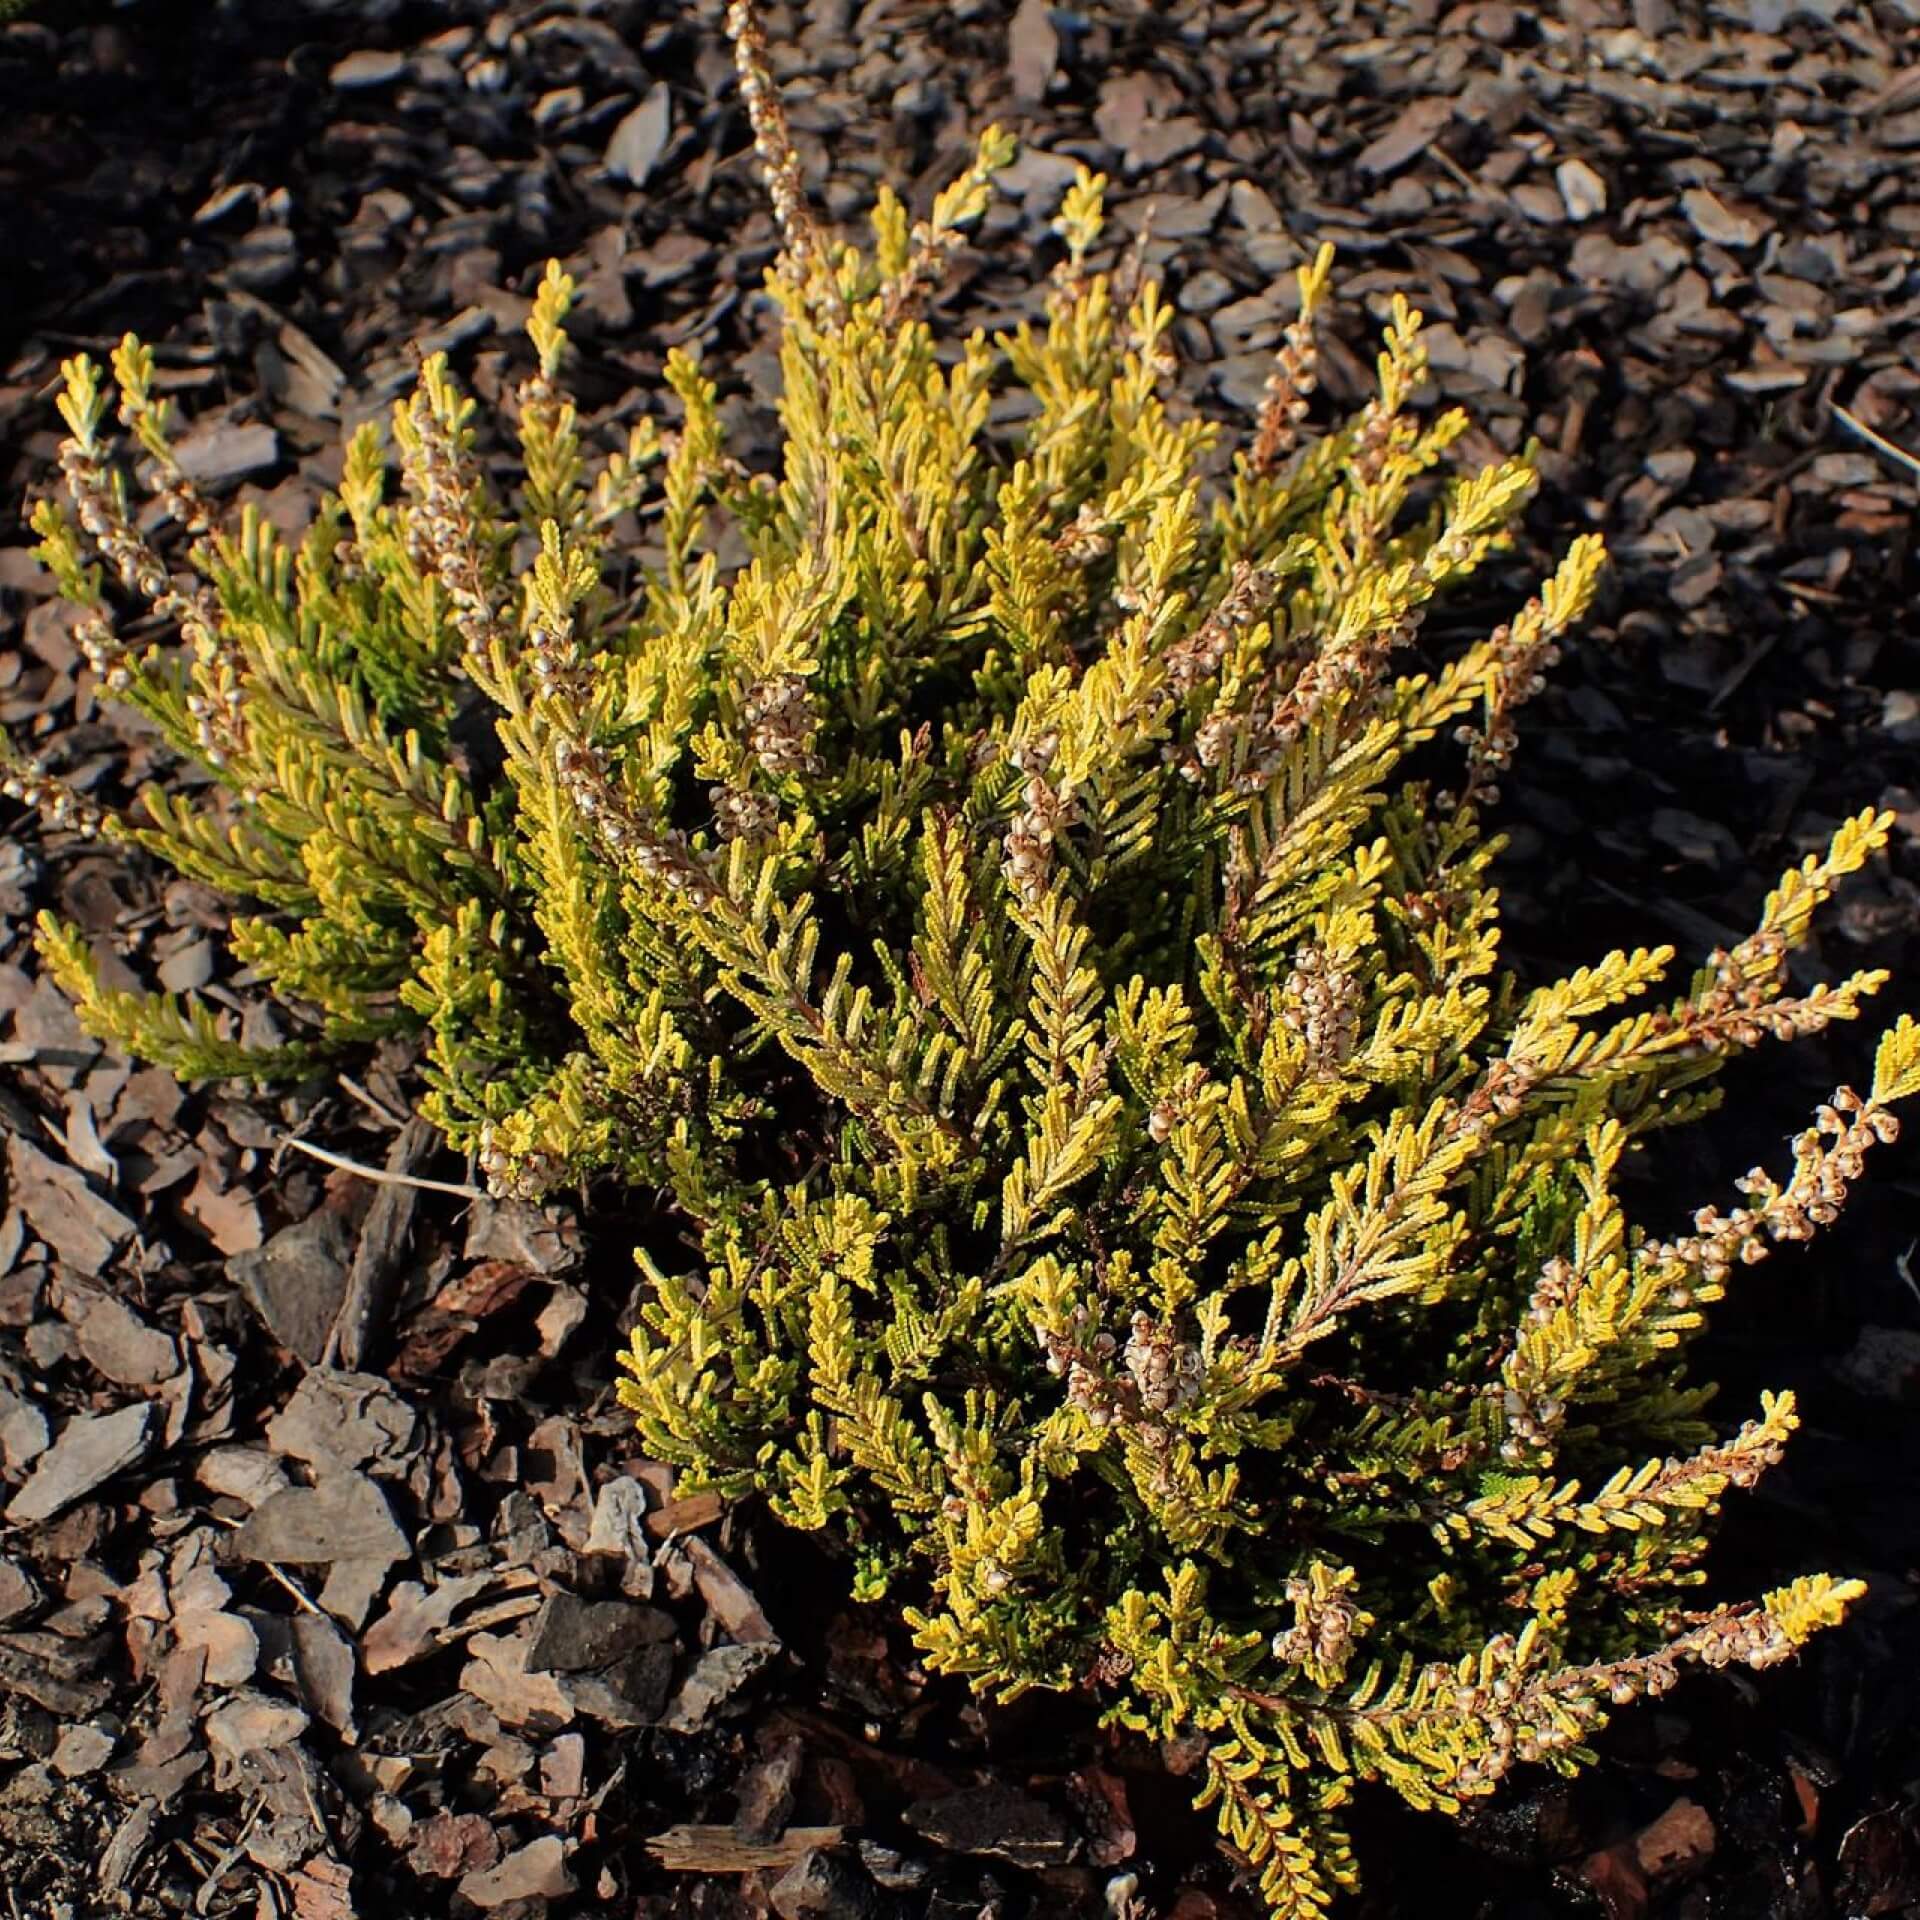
1013 918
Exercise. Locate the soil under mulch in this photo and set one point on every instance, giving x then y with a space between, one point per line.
329 1580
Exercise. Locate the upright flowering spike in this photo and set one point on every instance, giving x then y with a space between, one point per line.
805 253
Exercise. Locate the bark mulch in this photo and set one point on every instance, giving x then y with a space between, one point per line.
330 1581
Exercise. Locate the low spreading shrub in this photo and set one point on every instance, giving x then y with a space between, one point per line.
1019 920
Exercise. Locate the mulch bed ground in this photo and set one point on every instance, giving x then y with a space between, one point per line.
329 1580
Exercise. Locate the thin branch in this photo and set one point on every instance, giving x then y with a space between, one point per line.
293 1587
372 1102
379 1175
1879 442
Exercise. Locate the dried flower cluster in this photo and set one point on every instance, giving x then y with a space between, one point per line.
58 803
1295 376
1115 1188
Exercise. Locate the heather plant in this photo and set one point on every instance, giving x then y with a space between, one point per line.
1032 919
